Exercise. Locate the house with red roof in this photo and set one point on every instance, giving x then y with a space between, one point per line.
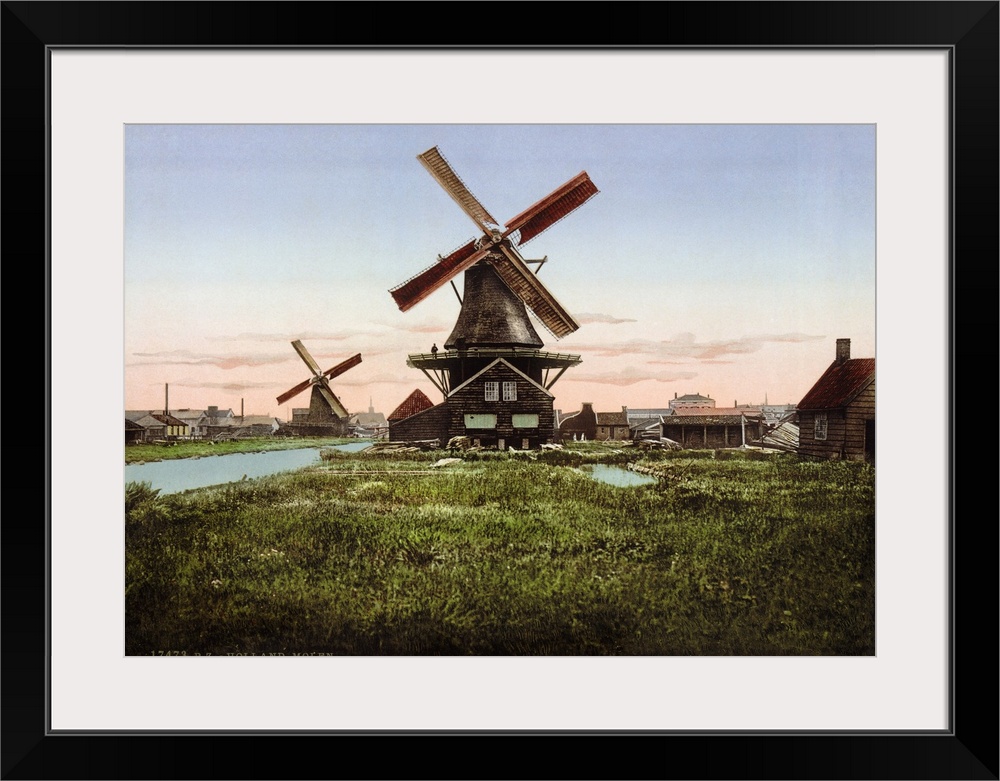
412 404
837 415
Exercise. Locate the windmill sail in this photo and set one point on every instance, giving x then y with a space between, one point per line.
534 294
342 367
291 393
417 288
552 208
305 356
338 409
438 167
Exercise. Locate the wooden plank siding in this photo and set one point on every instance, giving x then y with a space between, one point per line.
428 424
846 429
448 419
711 435
532 399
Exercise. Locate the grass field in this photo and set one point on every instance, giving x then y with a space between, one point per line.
732 553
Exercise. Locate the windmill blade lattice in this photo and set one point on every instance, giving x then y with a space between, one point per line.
445 175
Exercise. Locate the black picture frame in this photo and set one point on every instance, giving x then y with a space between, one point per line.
968 750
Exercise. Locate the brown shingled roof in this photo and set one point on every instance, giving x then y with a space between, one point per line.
414 403
612 419
750 412
708 419
840 383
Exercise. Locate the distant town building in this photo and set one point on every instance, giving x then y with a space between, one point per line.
691 401
612 425
368 424
638 415
580 425
194 418
134 433
777 413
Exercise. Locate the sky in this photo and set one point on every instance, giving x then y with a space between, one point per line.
724 260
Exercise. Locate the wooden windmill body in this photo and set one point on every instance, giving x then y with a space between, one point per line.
494 374
326 415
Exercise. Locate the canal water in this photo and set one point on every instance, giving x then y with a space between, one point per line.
181 474
616 475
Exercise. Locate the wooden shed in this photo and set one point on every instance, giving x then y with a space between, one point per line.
613 425
837 415
134 432
723 428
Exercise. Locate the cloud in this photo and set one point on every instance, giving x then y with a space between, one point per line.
188 358
629 377
233 387
685 346
747 344
380 378
585 318
416 327
314 336
245 360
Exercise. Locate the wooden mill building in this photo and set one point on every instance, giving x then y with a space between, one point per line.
837 415
495 378
317 420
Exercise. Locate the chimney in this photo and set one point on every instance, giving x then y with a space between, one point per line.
843 350
241 408
213 412
166 398
675 394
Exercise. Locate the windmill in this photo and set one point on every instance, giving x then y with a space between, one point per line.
325 409
499 290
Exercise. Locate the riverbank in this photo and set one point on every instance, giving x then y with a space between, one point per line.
140 453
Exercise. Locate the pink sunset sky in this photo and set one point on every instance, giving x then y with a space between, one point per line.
717 259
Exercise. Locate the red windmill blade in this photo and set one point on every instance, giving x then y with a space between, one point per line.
552 208
321 379
417 288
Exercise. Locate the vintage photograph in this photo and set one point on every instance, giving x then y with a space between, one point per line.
494 390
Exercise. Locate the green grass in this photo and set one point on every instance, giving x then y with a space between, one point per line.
509 554
190 448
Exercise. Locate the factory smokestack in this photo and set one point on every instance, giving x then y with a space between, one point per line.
166 398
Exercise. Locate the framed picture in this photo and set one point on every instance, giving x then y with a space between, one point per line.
926 81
